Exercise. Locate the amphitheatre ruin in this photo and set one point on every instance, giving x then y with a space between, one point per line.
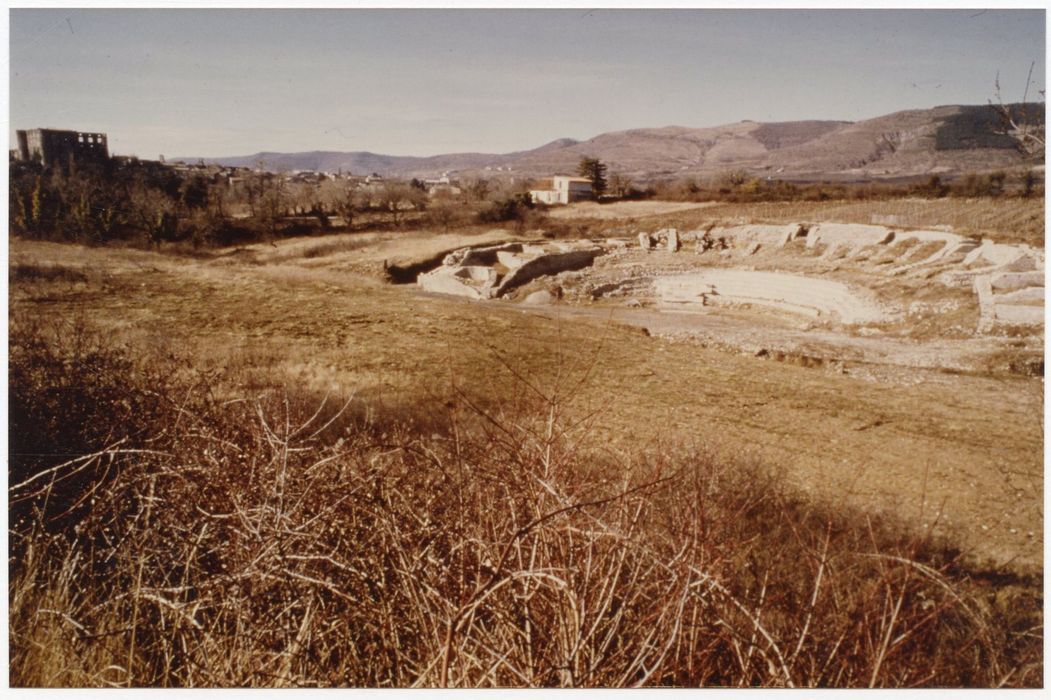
849 293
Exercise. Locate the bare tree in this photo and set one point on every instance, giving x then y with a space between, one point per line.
269 201
476 189
1017 121
396 197
341 198
154 212
620 185
734 178
303 197
445 209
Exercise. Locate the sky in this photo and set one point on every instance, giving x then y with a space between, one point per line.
424 82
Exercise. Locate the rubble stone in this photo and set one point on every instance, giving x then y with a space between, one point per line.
541 297
673 240
849 235
764 234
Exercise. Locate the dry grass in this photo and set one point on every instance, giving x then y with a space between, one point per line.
45 273
1005 220
321 250
623 210
275 540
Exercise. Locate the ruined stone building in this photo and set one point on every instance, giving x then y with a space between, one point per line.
55 146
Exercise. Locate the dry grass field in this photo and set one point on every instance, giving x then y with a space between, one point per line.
953 462
961 453
1006 220
624 210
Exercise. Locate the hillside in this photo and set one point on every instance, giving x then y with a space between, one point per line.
946 140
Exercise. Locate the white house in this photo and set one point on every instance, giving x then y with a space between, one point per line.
561 189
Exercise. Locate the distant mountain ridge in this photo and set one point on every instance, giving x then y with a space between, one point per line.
948 139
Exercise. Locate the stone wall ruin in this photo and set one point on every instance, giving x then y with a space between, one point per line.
493 271
56 147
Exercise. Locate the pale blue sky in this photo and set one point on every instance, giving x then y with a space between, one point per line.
422 82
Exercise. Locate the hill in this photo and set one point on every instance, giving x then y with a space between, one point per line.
945 140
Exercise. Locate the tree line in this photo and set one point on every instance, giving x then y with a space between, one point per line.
741 186
152 203
145 201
